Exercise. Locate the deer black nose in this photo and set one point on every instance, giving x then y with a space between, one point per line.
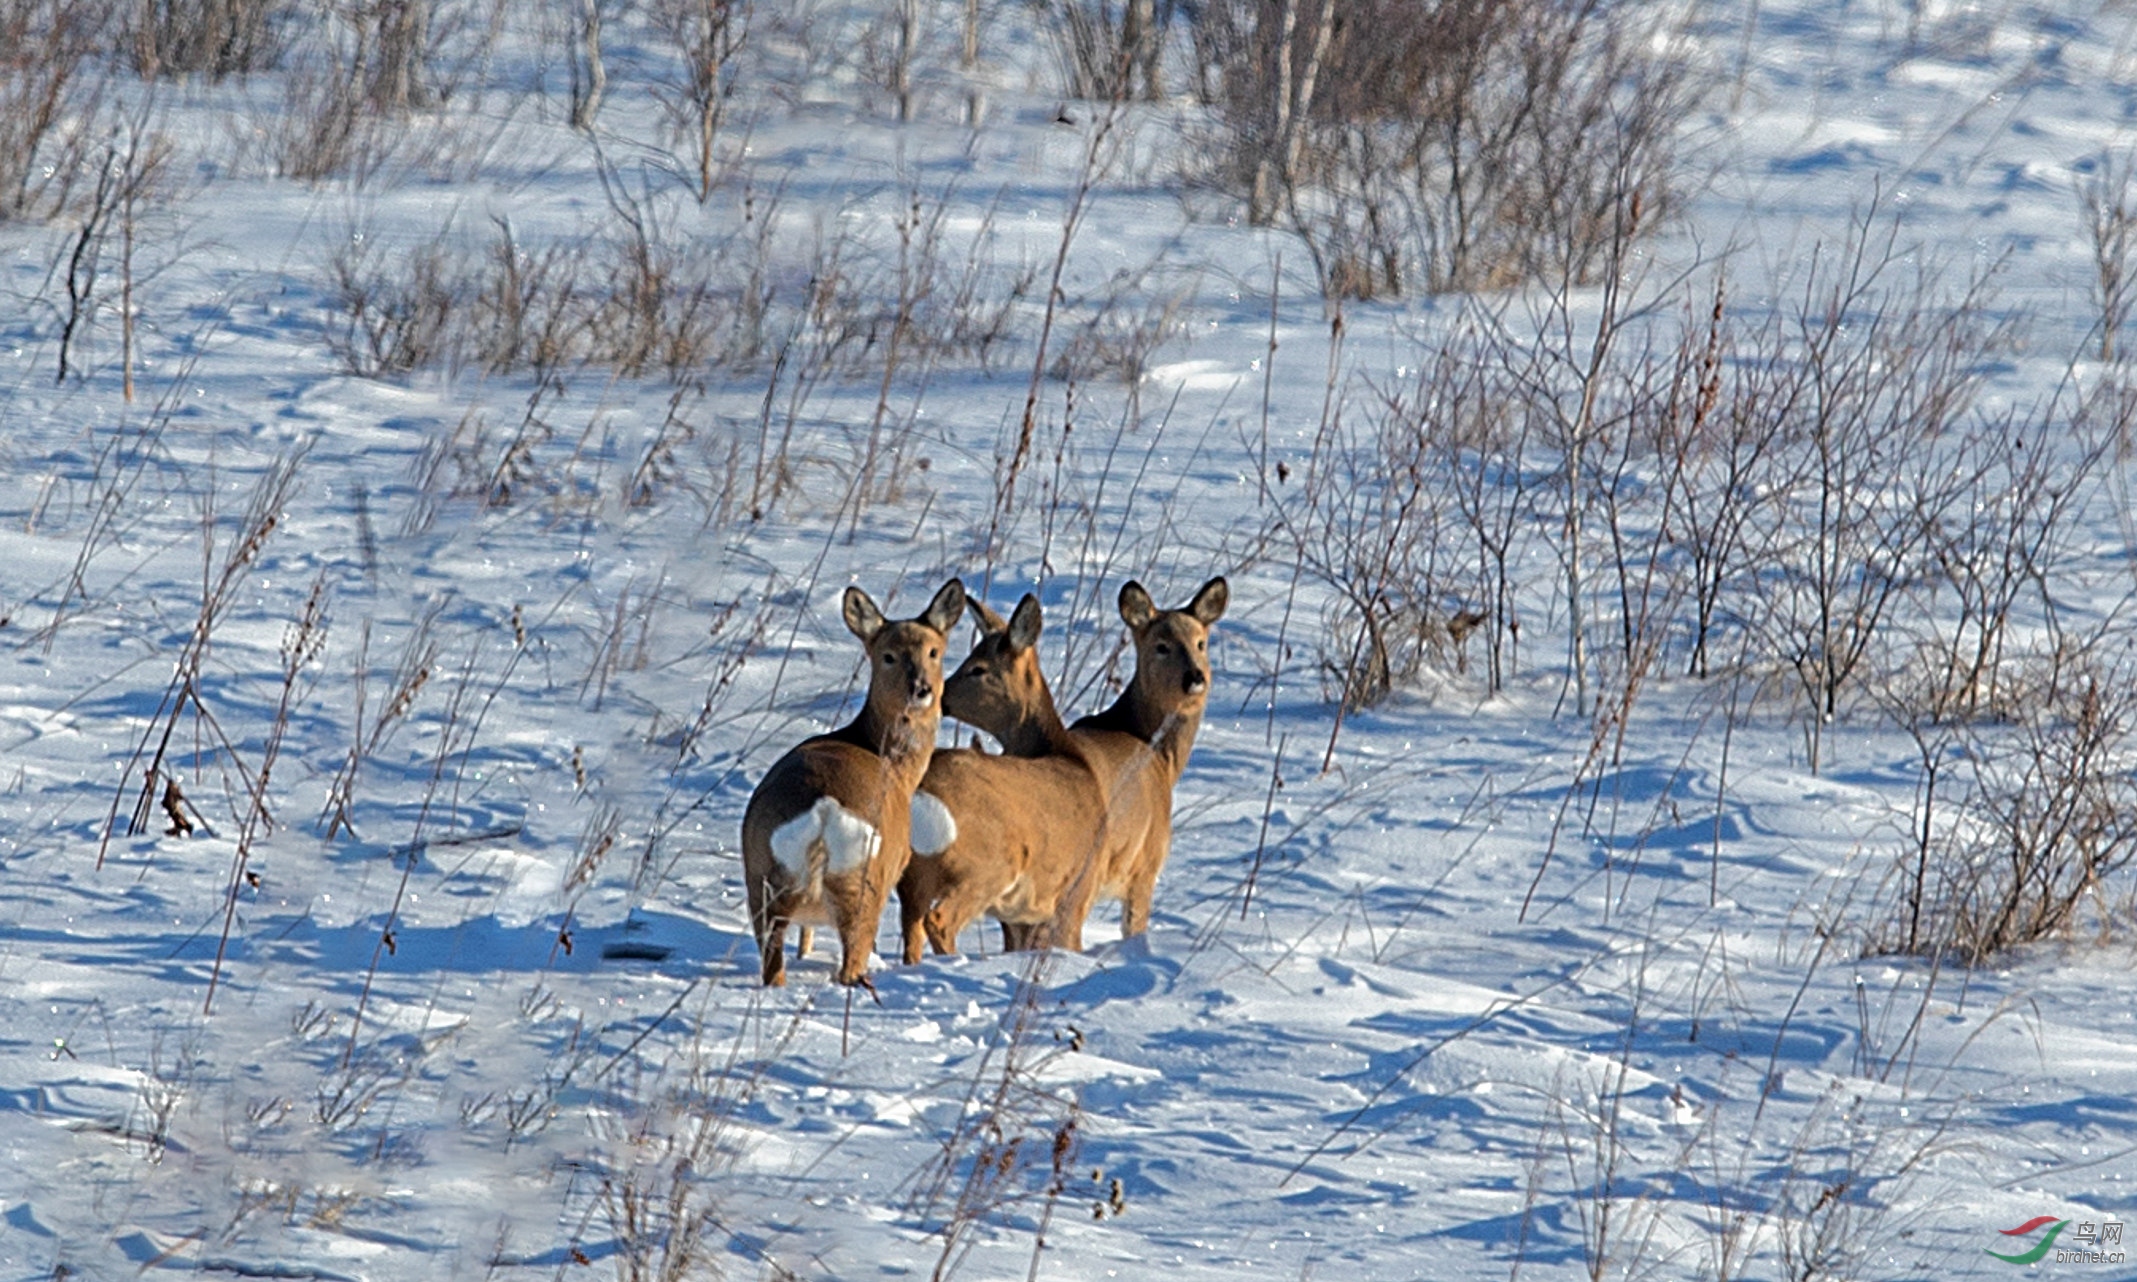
1194 681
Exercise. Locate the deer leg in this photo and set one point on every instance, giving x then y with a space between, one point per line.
772 948
956 910
1135 902
942 937
768 923
913 924
1066 929
1142 886
1135 906
857 907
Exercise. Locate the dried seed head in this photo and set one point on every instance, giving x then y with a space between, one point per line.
174 803
405 700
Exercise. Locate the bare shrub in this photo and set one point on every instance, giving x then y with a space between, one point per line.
212 38
2045 822
322 128
657 307
1442 147
1464 426
1719 437
1122 330
362 70
46 82
2107 196
526 308
641 298
1998 546
706 36
1108 50
1367 524
132 175
2060 810
1886 365
396 305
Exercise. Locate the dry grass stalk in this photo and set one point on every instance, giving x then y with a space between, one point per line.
149 759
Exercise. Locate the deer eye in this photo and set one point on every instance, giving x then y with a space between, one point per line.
933 652
1202 645
1163 648
889 659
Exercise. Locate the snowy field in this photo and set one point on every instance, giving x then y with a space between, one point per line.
1666 807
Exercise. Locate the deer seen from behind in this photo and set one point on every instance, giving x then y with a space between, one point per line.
826 835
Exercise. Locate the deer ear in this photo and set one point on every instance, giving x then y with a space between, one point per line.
863 619
1024 625
988 621
942 612
1210 600
1136 607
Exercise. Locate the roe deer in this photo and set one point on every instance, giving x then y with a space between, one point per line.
1139 747
825 835
1136 749
1002 835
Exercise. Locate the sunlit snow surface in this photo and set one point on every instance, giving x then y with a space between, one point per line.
495 1024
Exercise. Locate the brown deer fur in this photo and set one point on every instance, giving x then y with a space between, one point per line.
1139 747
1003 835
1136 749
825 836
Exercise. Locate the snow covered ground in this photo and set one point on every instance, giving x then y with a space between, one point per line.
464 676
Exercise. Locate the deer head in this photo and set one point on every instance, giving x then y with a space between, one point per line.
904 665
1172 647
999 686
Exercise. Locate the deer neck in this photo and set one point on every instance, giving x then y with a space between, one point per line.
1169 732
1038 731
905 740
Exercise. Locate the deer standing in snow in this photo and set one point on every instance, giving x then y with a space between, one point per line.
1006 834
1134 751
1139 747
825 836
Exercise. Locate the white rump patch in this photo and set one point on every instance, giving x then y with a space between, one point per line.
848 840
934 827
